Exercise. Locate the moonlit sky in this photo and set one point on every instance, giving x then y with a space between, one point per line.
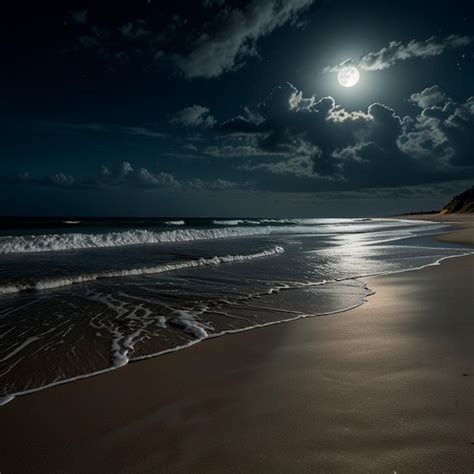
230 108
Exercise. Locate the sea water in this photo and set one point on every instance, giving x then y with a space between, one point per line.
83 296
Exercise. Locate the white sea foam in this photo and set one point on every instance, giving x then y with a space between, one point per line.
191 324
7 398
74 241
228 222
174 222
309 221
235 222
48 283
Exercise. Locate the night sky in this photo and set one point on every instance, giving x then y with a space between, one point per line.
226 108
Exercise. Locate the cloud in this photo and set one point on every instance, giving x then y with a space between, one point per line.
211 3
317 139
236 151
122 175
62 179
132 44
396 51
214 185
300 162
134 30
88 41
442 131
125 174
58 179
429 97
293 125
301 166
190 147
142 131
194 116
106 128
232 35
240 125
79 17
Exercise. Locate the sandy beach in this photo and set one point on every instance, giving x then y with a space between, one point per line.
387 387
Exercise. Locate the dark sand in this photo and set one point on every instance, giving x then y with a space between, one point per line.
382 388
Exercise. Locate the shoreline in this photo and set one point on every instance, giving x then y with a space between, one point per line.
457 236
463 234
194 385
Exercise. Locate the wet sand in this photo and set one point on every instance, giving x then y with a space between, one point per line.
386 387
464 223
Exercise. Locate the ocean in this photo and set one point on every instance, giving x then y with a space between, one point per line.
82 296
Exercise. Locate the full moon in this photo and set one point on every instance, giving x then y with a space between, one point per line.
348 76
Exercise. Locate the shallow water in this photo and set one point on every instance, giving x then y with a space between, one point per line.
77 302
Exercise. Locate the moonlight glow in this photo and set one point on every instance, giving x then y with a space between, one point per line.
348 76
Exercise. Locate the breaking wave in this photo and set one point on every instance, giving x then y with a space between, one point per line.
71 222
75 241
48 283
235 222
174 222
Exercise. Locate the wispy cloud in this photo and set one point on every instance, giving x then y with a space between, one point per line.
396 51
429 97
194 116
132 44
232 35
79 17
106 128
238 151
58 179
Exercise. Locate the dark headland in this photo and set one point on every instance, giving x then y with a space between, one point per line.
459 210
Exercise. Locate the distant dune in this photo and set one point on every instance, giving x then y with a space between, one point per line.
461 204
459 209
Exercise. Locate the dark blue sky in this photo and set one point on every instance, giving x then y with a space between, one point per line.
234 108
